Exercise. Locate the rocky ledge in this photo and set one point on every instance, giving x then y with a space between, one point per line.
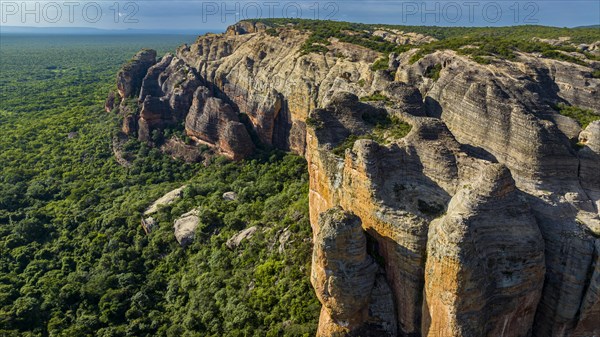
448 197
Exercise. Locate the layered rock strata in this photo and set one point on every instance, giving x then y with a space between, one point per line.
483 220
344 277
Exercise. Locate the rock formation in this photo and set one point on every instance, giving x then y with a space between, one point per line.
129 78
482 220
344 276
589 162
214 122
485 262
185 227
230 196
237 239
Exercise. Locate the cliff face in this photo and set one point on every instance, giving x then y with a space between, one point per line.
482 220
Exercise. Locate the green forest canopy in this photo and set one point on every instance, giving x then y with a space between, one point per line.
74 259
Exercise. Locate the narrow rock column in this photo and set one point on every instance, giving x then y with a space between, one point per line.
589 311
485 262
344 277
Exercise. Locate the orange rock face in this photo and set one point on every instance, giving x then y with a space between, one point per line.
345 280
482 221
475 286
437 283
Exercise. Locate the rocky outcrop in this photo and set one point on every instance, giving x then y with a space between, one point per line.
230 196
245 27
185 227
237 239
178 149
485 262
589 311
214 122
589 162
387 188
166 96
483 219
149 224
402 38
166 199
344 275
267 79
154 114
510 114
520 129
111 102
129 78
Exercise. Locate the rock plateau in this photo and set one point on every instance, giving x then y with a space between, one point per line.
482 220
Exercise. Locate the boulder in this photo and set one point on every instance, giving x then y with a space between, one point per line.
283 239
185 227
166 199
231 196
149 224
237 239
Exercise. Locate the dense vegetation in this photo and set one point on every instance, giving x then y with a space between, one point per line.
377 97
578 35
583 116
74 260
385 129
433 72
481 42
482 47
381 63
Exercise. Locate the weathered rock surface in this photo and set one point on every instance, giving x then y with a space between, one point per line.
231 196
237 239
111 101
505 110
485 262
484 218
185 227
400 37
149 224
166 199
178 149
283 239
166 95
343 275
265 78
153 115
214 122
589 310
129 78
589 162
387 189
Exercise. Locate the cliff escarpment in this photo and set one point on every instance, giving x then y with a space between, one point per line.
454 191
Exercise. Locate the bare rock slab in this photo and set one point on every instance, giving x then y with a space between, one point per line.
185 227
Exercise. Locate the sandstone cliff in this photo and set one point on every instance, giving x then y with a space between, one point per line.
452 199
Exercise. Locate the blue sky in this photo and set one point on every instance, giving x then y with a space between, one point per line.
216 15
